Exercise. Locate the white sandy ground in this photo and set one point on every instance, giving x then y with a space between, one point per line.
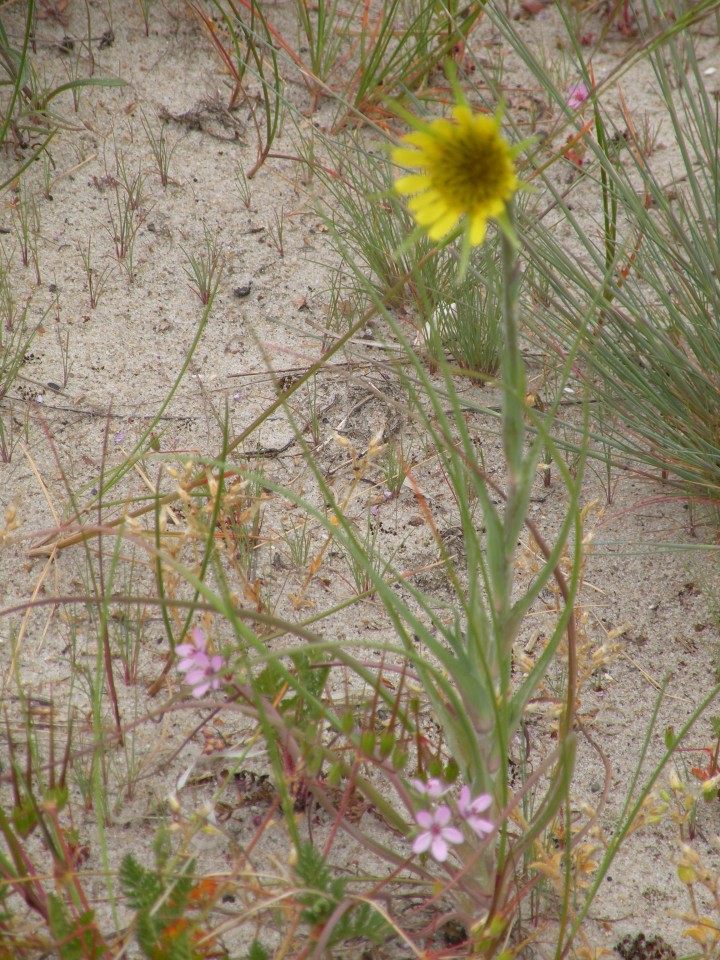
119 363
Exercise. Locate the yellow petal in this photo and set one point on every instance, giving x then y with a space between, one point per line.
485 126
430 214
490 209
463 115
478 229
442 130
443 225
407 158
429 198
420 140
413 182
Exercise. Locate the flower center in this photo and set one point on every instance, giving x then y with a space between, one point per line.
471 172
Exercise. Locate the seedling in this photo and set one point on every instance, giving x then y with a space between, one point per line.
63 342
394 466
276 231
96 279
145 6
243 187
161 151
26 224
204 271
298 538
126 217
133 184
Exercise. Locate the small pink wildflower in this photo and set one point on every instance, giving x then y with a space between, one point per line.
435 834
433 788
577 95
201 671
470 810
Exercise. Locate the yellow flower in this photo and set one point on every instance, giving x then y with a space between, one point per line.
465 169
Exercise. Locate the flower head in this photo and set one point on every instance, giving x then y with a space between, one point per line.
470 810
432 788
464 169
577 95
435 833
201 671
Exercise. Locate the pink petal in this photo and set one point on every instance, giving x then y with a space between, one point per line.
443 815
464 801
201 689
439 849
452 835
432 788
199 638
481 802
195 676
480 825
422 842
424 819
435 788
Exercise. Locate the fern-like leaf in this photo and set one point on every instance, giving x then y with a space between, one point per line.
141 887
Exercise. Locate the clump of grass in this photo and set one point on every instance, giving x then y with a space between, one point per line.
97 279
247 46
464 319
161 150
25 114
370 222
648 349
26 224
127 212
205 269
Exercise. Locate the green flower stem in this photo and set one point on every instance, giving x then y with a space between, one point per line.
513 369
520 466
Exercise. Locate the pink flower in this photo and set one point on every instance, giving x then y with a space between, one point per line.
577 95
433 788
470 810
201 671
435 834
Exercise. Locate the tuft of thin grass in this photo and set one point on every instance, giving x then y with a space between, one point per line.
642 298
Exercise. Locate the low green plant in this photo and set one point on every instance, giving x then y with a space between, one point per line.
395 466
360 207
400 51
26 224
362 579
276 231
16 337
298 538
161 150
465 321
243 187
97 279
204 270
124 223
